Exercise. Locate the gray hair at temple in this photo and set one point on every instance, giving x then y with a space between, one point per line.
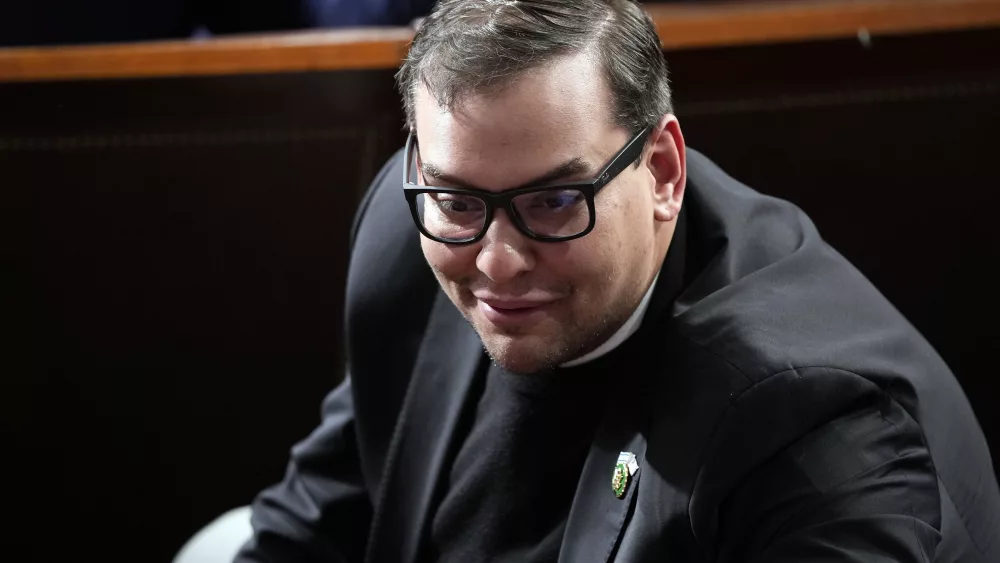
479 46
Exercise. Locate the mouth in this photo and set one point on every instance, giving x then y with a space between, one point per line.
511 313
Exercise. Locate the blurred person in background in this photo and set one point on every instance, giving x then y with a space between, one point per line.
571 338
51 22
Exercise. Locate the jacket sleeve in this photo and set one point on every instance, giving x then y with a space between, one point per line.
858 487
321 511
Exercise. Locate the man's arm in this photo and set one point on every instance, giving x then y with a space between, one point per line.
860 488
321 510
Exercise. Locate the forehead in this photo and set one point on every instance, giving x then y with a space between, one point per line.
556 112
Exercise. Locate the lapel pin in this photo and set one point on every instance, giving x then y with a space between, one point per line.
624 469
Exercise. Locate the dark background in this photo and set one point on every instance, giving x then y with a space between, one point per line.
73 22
177 252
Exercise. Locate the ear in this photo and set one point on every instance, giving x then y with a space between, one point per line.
667 163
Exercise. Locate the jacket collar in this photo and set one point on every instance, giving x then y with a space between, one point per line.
445 369
597 517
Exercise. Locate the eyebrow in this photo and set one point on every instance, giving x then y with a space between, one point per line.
572 167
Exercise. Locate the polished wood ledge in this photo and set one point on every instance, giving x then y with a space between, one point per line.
681 26
749 22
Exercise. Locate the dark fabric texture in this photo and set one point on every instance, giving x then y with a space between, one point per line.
510 487
780 409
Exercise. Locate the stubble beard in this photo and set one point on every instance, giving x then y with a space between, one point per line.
526 352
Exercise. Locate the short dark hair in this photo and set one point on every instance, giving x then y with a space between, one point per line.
472 46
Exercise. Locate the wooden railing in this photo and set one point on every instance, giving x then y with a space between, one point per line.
747 22
731 23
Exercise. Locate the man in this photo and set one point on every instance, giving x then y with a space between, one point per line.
573 339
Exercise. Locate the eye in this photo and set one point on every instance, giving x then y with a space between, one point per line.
556 200
454 205
457 203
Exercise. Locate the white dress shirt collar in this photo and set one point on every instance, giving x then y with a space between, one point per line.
627 329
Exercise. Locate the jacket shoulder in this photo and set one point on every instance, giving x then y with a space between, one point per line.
390 291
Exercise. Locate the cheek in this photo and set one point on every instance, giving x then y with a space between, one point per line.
585 263
629 219
616 240
452 263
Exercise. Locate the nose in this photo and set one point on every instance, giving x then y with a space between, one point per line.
505 252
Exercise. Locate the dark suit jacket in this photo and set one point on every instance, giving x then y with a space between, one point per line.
781 410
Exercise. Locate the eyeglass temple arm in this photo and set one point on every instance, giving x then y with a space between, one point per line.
627 156
411 140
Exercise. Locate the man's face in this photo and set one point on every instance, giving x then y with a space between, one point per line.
536 304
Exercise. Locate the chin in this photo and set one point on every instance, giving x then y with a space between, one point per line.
523 354
521 365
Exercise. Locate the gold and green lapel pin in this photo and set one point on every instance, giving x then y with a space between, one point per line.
624 469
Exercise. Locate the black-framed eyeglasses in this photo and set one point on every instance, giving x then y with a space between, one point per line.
552 213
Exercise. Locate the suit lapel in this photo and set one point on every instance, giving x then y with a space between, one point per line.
445 369
597 517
